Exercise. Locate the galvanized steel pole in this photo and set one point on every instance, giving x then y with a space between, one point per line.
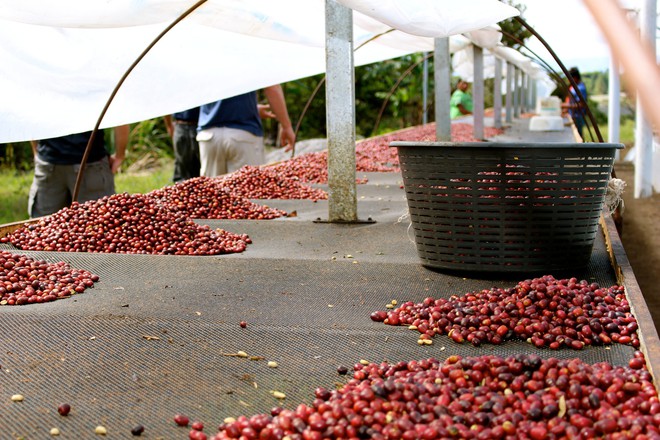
509 93
425 90
614 106
497 94
478 92
442 78
516 92
525 92
340 113
644 130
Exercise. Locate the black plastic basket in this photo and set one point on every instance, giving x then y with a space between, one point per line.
505 207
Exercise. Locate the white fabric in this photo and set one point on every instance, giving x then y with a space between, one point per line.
462 63
487 38
61 60
92 13
434 18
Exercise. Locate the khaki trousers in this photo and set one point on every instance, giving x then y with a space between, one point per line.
224 150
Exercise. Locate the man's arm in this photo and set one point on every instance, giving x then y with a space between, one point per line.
275 96
169 124
121 141
463 110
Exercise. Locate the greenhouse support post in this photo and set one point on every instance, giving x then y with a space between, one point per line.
524 77
478 92
425 89
340 110
532 95
516 92
522 94
497 94
509 93
614 106
643 128
442 78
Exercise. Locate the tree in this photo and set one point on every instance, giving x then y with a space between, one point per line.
513 33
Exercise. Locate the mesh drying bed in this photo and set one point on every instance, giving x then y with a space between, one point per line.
505 207
151 338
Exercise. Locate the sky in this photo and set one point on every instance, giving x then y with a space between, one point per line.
569 28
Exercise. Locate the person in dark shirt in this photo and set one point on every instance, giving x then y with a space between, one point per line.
56 165
182 126
576 107
230 133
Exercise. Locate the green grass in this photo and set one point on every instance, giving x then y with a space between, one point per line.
15 188
144 181
626 132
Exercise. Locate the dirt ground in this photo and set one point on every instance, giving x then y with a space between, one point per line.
641 238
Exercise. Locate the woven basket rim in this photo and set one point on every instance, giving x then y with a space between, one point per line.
523 145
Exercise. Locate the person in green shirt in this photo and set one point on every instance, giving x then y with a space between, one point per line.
461 101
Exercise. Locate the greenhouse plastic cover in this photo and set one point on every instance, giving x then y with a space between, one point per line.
62 60
463 66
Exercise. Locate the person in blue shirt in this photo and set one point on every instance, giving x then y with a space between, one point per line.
230 133
56 165
574 104
182 126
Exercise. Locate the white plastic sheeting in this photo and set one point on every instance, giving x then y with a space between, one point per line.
433 18
463 66
61 60
488 37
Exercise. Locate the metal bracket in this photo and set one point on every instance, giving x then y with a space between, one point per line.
368 221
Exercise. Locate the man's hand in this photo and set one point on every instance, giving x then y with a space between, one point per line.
287 138
265 112
115 162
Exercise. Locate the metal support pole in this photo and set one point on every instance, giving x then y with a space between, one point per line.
516 92
644 130
532 98
523 92
509 93
425 89
478 92
442 78
497 94
614 106
340 113
528 93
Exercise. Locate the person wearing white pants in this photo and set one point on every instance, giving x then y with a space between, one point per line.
230 133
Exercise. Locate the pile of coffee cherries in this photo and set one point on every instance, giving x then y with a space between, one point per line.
127 224
306 168
373 154
486 397
211 198
24 280
545 311
268 183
